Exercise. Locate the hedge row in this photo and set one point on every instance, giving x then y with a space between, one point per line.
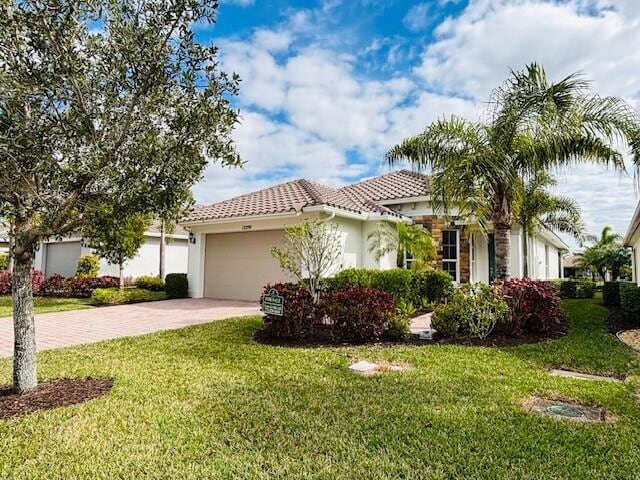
630 300
403 285
576 288
611 294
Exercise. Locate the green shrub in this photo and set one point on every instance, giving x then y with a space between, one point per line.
630 300
397 329
436 286
117 296
176 285
149 282
397 282
474 310
611 294
403 285
4 262
356 277
88 266
568 289
586 289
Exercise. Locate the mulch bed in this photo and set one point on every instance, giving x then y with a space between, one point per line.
494 340
52 394
501 340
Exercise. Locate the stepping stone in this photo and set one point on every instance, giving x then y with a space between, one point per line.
364 368
581 376
420 324
566 410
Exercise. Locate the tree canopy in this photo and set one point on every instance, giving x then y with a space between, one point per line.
102 101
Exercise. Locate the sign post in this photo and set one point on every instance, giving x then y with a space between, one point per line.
273 304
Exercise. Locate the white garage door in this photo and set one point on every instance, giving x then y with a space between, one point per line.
239 265
62 258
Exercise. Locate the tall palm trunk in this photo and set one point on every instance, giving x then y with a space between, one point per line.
502 239
24 347
525 253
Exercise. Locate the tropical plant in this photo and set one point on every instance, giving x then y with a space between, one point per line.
607 255
100 101
412 243
536 207
534 125
88 266
310 252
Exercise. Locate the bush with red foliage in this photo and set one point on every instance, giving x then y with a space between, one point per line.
298 319
357 314
534 305
55 286
6 279
83 287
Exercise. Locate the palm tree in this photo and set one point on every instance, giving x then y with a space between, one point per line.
534 126
406 240
537 206
607 254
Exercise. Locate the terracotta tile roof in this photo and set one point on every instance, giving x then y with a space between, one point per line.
295 195
400 184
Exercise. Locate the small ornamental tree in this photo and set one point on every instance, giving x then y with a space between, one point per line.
310 252
88 266
115 236
101 101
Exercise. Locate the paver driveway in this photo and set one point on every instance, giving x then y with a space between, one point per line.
54 330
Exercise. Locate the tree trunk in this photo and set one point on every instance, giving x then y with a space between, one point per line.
162 250
502 239
525 254
24 350
121 273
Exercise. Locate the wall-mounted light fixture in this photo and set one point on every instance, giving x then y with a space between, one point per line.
192 238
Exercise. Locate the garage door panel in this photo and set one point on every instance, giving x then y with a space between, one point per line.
238 265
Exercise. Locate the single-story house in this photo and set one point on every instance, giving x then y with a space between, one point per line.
632 240
573 268
230 241
61 255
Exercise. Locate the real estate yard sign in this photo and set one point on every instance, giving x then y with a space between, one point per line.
273 304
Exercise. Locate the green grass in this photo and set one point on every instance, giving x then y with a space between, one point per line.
208 402
45 304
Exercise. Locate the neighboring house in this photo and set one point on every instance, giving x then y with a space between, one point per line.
61 256
573 269
632 240
230 241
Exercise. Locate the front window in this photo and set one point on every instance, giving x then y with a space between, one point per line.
450 252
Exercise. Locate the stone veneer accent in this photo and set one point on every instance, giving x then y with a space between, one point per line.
436 225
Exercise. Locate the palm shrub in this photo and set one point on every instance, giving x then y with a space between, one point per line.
536 206
533 126
405 240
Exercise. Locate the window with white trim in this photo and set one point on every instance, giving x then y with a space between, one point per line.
450 252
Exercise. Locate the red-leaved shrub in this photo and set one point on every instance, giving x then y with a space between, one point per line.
83 287
357 314
534 305
297 321
55 286
6 281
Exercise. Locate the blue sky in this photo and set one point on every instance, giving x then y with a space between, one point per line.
328 86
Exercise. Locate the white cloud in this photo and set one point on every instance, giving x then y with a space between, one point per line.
417 18
240 3
272 41
473 52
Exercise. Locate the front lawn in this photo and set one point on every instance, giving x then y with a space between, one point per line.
45 305
209 402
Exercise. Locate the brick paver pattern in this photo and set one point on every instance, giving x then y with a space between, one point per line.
63 329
